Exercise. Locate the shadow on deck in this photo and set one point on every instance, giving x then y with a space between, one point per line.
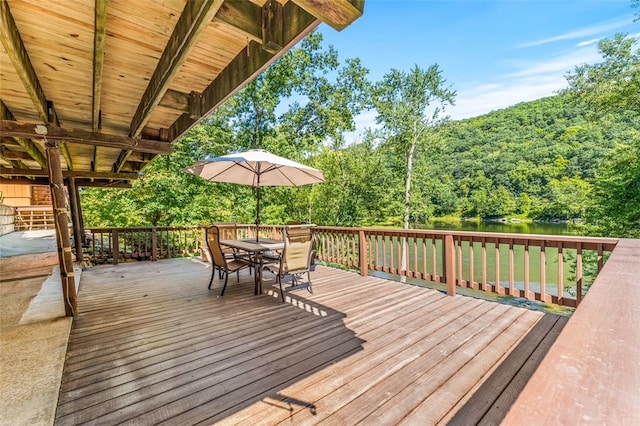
152 345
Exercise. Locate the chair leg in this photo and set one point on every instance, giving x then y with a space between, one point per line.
309 281
213 273
279 279
226 278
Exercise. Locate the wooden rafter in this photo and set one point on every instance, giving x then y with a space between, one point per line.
99 39
246 65
195 18
16 51
13 129
244 16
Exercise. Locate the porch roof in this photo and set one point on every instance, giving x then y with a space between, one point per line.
117 82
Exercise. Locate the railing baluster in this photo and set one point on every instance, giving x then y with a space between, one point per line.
485 286
512 280
498 288
527 294
560 272
543 272
578 274
472 266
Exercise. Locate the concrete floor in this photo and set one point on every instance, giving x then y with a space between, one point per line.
33 329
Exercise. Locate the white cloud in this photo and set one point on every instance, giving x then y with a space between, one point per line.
528 81
588 42
596 29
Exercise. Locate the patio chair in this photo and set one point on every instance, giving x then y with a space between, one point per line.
296 259
229 231
220 261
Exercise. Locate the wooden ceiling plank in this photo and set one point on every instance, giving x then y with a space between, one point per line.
15 129
247 65
197 15
336 13
12 42
99 42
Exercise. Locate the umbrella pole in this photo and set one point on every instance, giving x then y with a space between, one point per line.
258 210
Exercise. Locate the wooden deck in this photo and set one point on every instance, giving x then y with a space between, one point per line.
151 345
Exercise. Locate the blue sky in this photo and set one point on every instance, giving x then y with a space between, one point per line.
493 53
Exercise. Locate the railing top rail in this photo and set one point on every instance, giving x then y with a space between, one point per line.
489 235
145 228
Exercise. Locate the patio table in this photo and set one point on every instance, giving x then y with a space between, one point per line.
256 249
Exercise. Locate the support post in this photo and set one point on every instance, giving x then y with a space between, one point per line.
449 257
154 244
77 232
364 262
115 246
61 220
83 235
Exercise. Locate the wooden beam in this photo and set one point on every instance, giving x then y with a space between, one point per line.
40 131
8 171
43 180
8 154
336 13
272 27
33 150
244 16
13 45
122 158
29 146
248 64
25 181
99 39
75 219
197 15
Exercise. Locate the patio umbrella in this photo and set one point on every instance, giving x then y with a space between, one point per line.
256 168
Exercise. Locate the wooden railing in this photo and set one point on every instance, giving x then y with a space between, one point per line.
143 243
34 217
546 268
550 269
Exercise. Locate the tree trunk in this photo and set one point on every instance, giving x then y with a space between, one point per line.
407 206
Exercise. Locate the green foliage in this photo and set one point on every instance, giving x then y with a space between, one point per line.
610 90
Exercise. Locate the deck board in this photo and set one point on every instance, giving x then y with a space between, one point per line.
151 345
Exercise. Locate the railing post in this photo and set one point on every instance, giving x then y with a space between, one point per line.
154 244
364 262
449 258
115 248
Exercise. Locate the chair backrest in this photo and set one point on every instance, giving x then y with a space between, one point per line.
298 244
213 243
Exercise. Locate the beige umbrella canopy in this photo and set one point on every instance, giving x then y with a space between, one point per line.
257 168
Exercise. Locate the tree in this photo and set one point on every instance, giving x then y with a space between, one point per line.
614 83
612 87
408 105
294 105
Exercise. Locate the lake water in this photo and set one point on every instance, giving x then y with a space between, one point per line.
509 227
